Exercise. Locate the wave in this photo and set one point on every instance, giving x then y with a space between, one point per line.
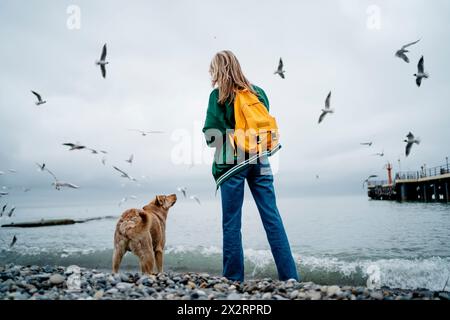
427 273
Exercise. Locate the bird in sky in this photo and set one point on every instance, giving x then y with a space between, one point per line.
421 74
195 198
401 53
410 141
124 174
280 70
146 133
183 190
39 98
327 108
102 62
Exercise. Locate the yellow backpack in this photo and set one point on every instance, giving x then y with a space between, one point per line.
256 131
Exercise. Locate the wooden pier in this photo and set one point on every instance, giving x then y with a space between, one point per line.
426 185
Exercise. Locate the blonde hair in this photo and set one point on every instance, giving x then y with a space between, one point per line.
227 74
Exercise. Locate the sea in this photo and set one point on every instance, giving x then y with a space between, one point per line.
343 240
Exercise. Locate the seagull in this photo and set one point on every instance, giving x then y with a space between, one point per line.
38 96
102 62
421 72
195 198
381 154
280 70
93 151
13 242
60 184
401 53
26 189
104 160
3 193
124 174
369 144
327 108
130 160
74 146
367 180
145 133
12 170
410 141
183 190
41 166
10 213
124 199
3 209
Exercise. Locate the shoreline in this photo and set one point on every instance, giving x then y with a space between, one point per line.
77 283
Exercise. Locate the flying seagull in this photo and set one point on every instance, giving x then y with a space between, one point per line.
195 198
124 199
381 154
367 180
38 96
183 190
10 213
130 160
60 184
327 108
410 141
421 74
3 209
3 193
13 242
102 62
145 133
41 166
402 52
369 144
280 70
124 174
104 160
94 151
74 146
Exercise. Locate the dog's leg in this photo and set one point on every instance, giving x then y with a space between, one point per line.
159 257
119 251
144 250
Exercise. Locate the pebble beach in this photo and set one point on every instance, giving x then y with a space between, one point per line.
76 283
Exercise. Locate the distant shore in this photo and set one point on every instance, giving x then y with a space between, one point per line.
74 283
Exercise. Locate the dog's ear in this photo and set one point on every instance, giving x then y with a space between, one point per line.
160 200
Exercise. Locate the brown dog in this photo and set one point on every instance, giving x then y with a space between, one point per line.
143 232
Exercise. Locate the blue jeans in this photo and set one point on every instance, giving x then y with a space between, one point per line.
260 180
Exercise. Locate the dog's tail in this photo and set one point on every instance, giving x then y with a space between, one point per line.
136 222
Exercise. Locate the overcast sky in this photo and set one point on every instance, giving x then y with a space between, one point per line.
159 53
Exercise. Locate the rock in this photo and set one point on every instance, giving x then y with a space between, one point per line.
234 296
314 295
112 291
191 285
99 294
124 286
57 279
293 295
333 291
267 296
377 295
48 269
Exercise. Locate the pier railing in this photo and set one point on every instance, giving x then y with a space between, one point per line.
423 173
374 183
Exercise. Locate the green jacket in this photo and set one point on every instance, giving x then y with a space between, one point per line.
220 121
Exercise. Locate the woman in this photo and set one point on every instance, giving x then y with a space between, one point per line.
231 170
